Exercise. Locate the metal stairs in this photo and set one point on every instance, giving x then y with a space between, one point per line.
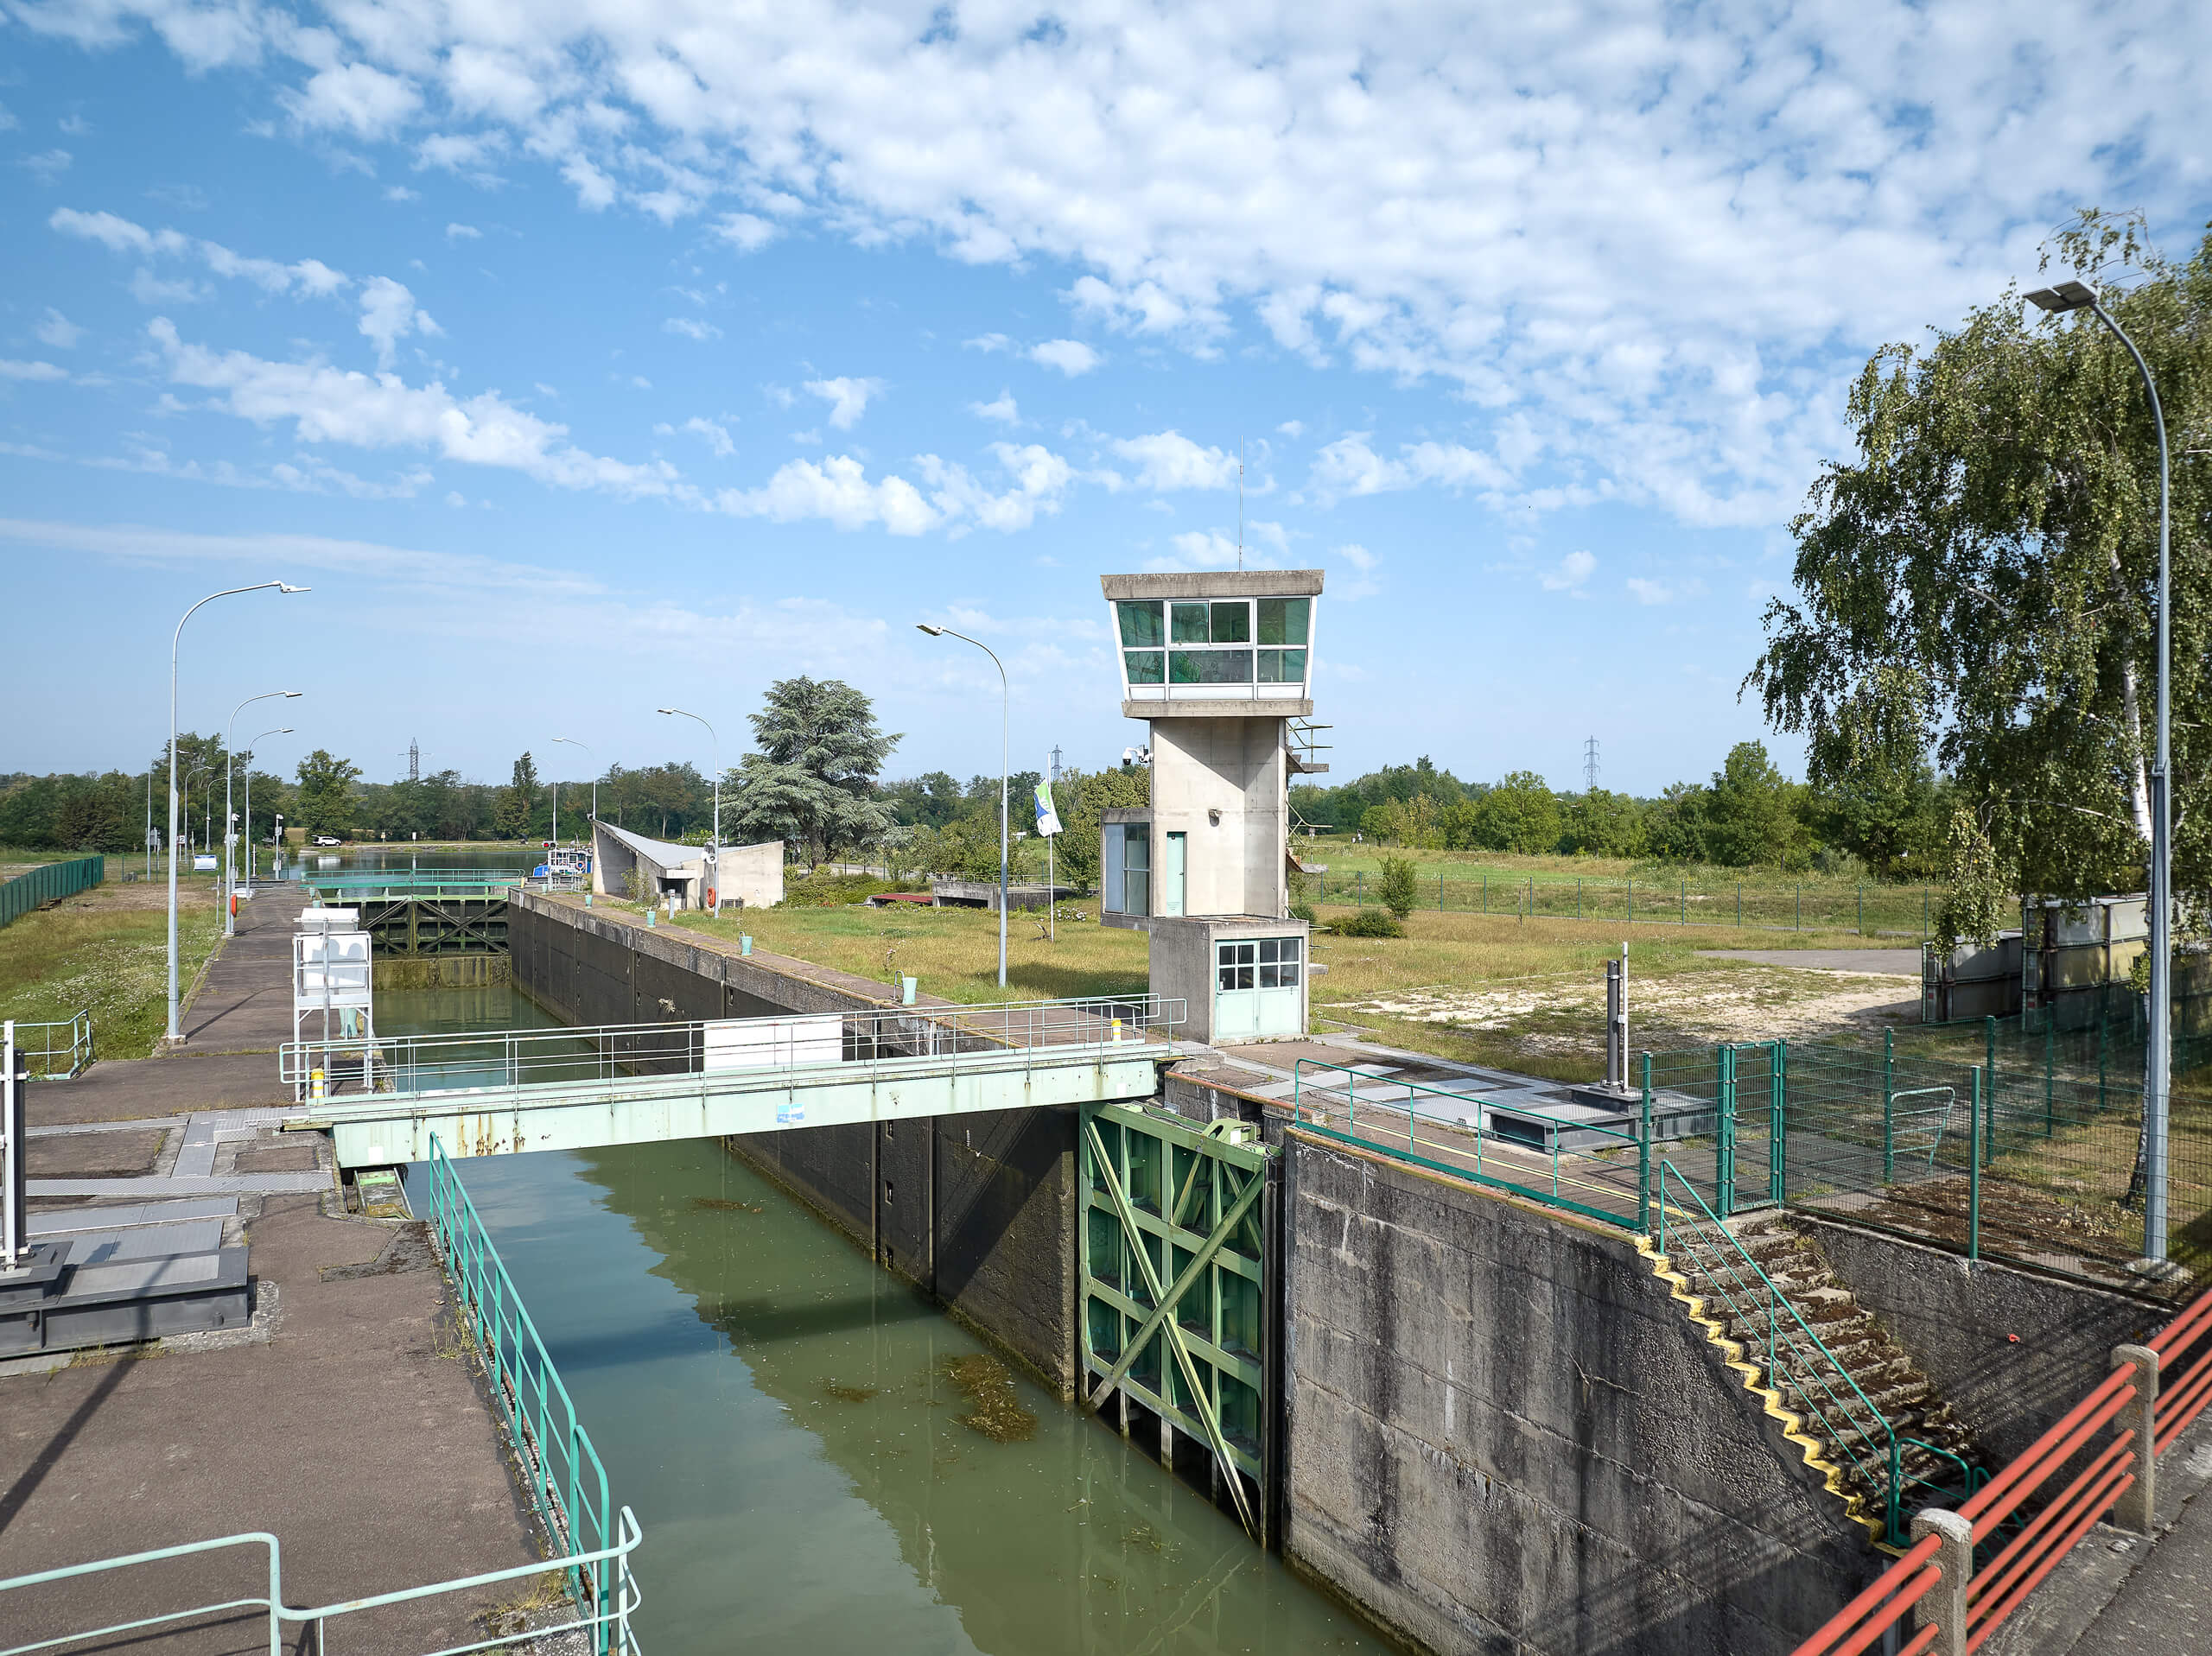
1867 1420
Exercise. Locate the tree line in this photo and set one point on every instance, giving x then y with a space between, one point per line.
1748 814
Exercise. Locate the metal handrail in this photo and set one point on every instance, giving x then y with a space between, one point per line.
1780 1336
1556 1196
77 1049
621 1641
420 1064
524 1381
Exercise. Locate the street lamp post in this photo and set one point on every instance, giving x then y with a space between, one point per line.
714 849
282 730
174 639
572 742
1006 719
2058 299
230 822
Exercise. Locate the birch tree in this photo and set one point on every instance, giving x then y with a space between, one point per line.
1980 580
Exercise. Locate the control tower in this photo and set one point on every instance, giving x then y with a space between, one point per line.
1217 664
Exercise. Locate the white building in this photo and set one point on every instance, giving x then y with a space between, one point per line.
631 866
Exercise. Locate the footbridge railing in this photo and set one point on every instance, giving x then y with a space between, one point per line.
1692 1239
509 1091
2098 1460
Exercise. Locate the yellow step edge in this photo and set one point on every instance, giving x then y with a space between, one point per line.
1793 1423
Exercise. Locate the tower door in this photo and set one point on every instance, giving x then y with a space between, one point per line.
1173 863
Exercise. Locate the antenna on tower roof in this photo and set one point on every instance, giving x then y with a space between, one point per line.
1240 506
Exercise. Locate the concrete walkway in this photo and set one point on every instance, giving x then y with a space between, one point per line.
348 1420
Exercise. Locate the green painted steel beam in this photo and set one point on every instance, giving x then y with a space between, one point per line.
394 1127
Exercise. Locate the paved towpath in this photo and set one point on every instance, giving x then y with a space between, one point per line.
348 1420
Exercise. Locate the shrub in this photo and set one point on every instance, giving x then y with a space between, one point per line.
1302 910
836 890
1371 923
1396 890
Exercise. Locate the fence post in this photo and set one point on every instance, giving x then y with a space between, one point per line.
1889 1107
1643 1154
1800 906
1485 893
1974 1169
2137 1509
1946 1607
1724 1154
1578 900
1739 905
1862 909
1439 894
2051 1025
1777 1154
1989 1043
1685 916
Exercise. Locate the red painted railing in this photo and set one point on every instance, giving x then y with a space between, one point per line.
2183 1384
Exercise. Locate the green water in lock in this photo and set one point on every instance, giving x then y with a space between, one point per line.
777 1412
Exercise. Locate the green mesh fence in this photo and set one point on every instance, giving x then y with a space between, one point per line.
2035 1163
42 884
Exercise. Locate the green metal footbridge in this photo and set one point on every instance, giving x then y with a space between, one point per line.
508 1092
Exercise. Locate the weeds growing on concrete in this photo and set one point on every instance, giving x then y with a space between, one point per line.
993 1410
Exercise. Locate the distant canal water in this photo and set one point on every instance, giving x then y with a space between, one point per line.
821 1461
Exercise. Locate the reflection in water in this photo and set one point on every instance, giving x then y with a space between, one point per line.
798 1434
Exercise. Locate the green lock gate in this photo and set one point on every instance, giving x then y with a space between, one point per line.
1177 1315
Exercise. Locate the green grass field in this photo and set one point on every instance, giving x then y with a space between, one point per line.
1521 994
105 951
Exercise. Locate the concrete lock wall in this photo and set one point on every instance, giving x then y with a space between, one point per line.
1505 1434
979 1210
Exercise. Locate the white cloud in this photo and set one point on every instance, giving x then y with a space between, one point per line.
1648 592
746 231
7 120
31 370
400 193
354 98
847 398
304 278
837 490
1637 246
1292 429
1002 409
691 328
1573 570
459 233
48 166
58 331
327 405
389 314
1167 459
152 290
1070 357
1210 549
987 343
1350 467
716 436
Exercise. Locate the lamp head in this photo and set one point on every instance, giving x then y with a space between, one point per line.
934 632
286 730
285 586
289 695
2063 296
664 710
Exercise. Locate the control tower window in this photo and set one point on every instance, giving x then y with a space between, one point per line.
1140 628
1284 621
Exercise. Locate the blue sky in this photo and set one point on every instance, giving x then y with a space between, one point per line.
589 357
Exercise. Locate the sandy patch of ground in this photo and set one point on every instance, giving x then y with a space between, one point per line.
1691 1008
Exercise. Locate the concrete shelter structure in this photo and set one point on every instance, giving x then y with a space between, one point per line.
1217 665
748 875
